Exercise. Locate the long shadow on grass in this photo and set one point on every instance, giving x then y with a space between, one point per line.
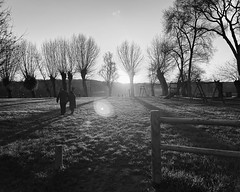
186 174
197 136
9 103
20 128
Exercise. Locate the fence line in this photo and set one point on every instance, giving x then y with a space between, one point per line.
157 120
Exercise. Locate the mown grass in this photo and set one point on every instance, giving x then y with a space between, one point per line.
111 153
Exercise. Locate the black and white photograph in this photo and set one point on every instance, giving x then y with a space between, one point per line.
120 96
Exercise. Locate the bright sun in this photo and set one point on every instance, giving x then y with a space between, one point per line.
123 77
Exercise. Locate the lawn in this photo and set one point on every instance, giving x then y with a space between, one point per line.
107 147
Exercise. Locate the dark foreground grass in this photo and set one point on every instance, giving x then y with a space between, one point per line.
107 147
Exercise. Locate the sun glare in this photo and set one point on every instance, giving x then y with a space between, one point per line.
103 108
123 77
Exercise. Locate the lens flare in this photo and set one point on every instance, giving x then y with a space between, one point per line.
103 108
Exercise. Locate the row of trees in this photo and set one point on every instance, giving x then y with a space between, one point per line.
189 28
57 57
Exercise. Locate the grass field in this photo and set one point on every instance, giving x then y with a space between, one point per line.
107 146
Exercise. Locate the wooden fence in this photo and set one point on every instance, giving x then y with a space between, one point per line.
157 120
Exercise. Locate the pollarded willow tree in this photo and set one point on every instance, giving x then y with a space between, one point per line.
9 67
49 66
71 64
85 52
160 58
130 56
28 65
8 55
62 59
42 69
223 18
108 71
183 20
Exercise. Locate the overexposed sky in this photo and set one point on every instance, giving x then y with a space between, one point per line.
109 22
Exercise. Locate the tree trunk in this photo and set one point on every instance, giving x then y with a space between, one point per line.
237 82
152 89
64 83
70 77
238 60
9 91
237 85
53 81
6 83
47 88
109 90
162 80
131 86
33 93
84 84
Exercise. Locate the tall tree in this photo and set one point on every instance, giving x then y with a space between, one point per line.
8 64
42 69
159 54
109 71
50 62
85 54
152 76
28 65
71 67
62 59
223 17
227 71
183 17
130 56
9 67
6 36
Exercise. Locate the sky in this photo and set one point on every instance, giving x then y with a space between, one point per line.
109 22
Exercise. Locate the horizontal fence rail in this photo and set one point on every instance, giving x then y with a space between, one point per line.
198 150
157 120
196 121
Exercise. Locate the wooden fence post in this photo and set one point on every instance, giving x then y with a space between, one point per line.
156 148
58 157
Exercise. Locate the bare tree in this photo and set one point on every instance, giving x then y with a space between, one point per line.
223 17
130 56
85 52
6 36
152 76
179 53
186 20
62 58
50 63
8 61
228 71
109 71
9 67
159 54
71 67
28 65
42 69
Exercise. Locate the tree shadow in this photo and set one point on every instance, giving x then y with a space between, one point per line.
20 128
196 135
